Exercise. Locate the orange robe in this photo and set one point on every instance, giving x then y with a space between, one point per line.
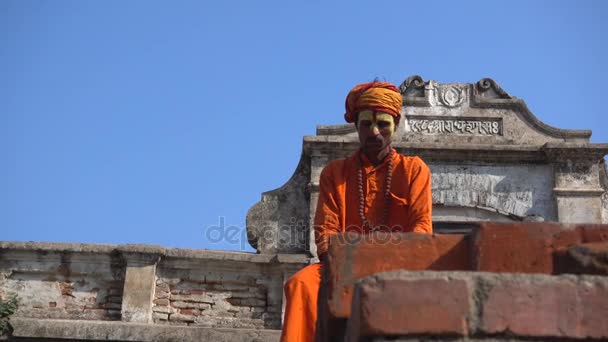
338 211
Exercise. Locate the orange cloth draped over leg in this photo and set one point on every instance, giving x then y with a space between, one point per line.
337 211
301 293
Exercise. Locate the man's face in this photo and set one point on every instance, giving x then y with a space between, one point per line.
375 129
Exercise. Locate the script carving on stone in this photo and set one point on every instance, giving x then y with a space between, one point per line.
448 125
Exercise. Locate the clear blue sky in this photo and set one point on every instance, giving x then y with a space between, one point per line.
146 121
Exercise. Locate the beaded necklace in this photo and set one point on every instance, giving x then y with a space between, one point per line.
387 193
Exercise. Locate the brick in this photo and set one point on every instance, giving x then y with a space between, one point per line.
234 301
190 305
176 317
160 316
161 302
112 299
404 303
526 309
203 306
192 312
352 257
584 258
112 306
252 302
183 305
113 291
160 286
248 295
113 314
164 309
522 247
248 314
212 314
231 287
201 298
555 306
162 295
593 297
66 289
528 247
225 278
594 232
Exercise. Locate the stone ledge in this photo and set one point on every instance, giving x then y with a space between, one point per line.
27 328
60 247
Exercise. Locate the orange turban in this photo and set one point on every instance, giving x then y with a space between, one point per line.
376 96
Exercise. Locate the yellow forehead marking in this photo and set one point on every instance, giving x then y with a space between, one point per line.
384 117
368 115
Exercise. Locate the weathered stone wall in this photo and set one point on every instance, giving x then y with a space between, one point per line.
146 284
63 284
220 297
518 190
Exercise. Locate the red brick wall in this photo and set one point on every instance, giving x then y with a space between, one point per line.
509 283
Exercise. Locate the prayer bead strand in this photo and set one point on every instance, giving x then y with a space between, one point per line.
387 194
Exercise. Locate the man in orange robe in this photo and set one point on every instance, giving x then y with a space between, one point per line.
376 188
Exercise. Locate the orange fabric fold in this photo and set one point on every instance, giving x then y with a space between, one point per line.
301 294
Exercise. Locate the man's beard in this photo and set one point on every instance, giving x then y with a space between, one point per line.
376 146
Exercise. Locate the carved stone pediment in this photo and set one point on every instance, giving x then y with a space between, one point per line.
480 113
489 155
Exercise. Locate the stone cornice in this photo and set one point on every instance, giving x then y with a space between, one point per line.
149 250
336 129
470 152
559 151
343 145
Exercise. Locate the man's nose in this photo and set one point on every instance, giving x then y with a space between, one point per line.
375 130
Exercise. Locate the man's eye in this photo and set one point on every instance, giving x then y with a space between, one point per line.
365 123
383 124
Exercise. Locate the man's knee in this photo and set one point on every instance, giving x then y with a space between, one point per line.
307 279
295 281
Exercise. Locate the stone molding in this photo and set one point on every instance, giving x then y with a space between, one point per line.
26 328
150 250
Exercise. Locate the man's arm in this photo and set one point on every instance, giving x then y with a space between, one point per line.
327 216
421 200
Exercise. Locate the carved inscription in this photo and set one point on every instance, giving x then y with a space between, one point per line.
456 126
